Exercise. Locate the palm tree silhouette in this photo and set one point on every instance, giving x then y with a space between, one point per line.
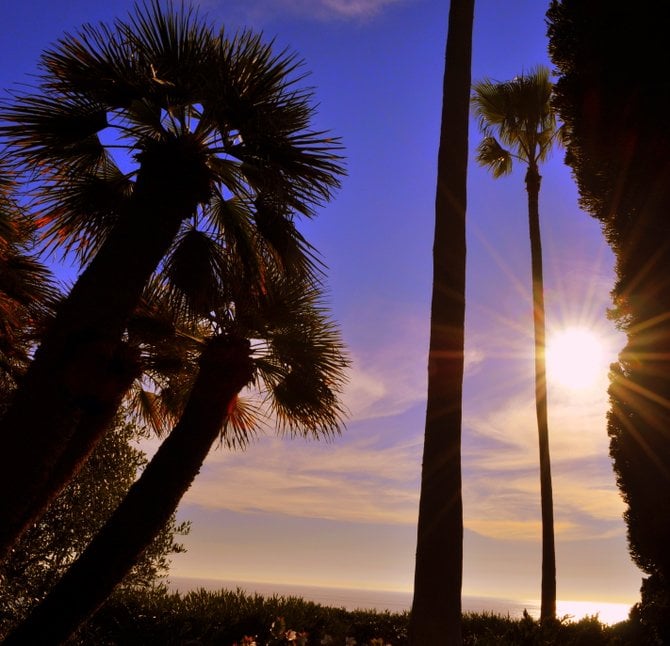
518 122
436 606
147 139
277 340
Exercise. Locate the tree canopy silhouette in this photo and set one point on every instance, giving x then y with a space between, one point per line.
50 546
277 340
611 95
218 146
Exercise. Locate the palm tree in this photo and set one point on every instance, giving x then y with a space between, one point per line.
520 115
436 608
139 134
27 294
295 361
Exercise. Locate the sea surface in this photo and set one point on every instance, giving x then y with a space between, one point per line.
398 601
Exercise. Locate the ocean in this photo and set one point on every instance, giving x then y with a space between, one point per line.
399 601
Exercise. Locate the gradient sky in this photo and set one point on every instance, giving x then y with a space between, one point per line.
344 513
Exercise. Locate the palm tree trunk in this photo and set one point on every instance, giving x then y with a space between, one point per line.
82 443
436 607
81 365
548 601
76 373
225 368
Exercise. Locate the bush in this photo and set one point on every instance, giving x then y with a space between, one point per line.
226 618
143 618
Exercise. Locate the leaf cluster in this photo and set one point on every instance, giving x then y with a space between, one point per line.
517 120
27 290
163 104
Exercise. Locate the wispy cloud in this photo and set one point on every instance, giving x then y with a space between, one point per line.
501 486
339 8
510 529
387 377
255 11
356 481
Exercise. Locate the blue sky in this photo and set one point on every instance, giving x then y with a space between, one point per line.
344 513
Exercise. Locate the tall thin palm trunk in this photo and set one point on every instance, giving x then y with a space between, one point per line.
548 600
225 368
518 122
436 607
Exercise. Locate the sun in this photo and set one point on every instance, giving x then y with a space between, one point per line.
575 358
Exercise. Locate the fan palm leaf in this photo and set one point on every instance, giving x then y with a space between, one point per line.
492 155
164 75
27 291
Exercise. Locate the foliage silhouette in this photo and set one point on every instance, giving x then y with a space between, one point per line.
217 138
46 550
297 363
27 292
609 94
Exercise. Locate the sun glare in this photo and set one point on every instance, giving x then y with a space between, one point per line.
575 358
607 613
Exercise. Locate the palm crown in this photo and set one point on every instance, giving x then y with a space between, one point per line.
517 120
298 356
214 131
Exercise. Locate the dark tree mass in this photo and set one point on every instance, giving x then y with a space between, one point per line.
46 550
195 283
612 95
212 145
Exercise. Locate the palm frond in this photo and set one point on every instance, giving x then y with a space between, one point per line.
243 422
51 132
229 174
27 282
28 295
196 272
492 155
271 119
78 214
174 49
146 407
233 218
288 247
304 366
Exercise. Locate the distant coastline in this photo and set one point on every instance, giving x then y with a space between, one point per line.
397 601
349 598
